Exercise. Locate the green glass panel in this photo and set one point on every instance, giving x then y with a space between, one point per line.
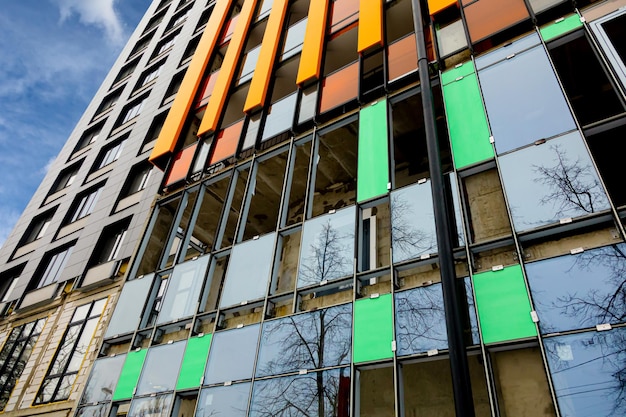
460 70
467 123
130 374
373 328
373 165
503 305
561 27
192 369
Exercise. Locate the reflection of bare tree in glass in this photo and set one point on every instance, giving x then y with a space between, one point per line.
407 241
328 257
598 306
152 407
573 185
314 340
420 323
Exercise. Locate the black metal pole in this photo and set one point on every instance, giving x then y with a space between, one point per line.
461 384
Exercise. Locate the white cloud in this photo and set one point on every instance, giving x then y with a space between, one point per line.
100 13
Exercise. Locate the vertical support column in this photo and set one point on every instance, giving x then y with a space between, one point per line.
311 56
461 384
370 24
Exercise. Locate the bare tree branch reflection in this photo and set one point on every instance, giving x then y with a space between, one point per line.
573 184
315 340
407 240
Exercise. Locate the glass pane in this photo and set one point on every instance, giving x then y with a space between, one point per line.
342 13
231 401
327 250
248 271
335 169
264 194
294 39
298 183
498 292
64 352
203 236
402 57
307 104
552 181
226 143
192 368
576 291
280 116
373 162
612 34
451 38
487 17
315 394
373 328
376 391
467 121
129 306
158 406
232 355
523 99
232 212
82 346
587 371
183 290
130 374
306 341
286 267
541 5
180 165
161 368
412 222
103 379
93 411
340 87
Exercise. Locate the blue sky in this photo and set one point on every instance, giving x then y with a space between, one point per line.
53 56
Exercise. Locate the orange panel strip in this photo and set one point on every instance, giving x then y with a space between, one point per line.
311 57
227 72
181 165
267 56
435 6
370 24
166 142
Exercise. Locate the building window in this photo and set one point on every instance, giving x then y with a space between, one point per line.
132 111
89 137
126 71
38 227
108 102
66 178
110 155
154 22
60 377
141 45
166 45
110 243
137 180
8 281
150 75
86 204
15 355
54 265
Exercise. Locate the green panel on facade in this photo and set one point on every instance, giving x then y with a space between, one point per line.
194 361
467 122
503 305
373 165
373 329
561 27
130 374
460 70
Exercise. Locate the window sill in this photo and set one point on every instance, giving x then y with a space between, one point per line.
128 201
72 227
124 126
25 249
54 196
103 113
80 152
102 171
39 296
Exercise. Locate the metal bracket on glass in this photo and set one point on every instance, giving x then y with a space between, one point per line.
331 211
534 316
375 295
202 380
243 303
228 383
425 256
510 56
240 326
432 352
256 237
576 250
565 220
303 372
388 186
458 78
491 139
497 268
323 282
393 346
603 327
582 19
422 181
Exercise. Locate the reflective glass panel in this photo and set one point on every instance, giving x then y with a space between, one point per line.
280 116
576 291
161 368
231 357
249 64
412 222
248 271
294 39
523 100
611 34
588 372
231 401
550 182
103 379
327 250
150 406
303 395
93 411
183 290
306 341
